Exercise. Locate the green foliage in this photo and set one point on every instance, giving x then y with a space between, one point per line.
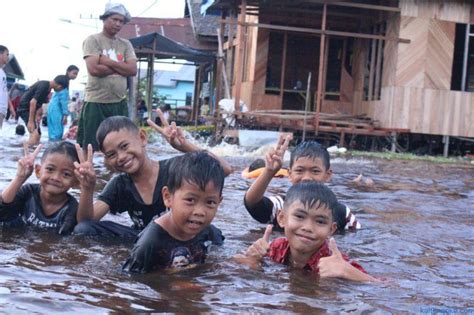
156 95
408 156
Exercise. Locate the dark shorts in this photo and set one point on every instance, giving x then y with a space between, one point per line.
92 115
25 115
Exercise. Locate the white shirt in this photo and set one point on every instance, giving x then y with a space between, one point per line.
3 92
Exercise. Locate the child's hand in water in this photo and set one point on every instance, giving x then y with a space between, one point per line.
260 248
274 158
172 133
84 170
255 253
26 164
334 265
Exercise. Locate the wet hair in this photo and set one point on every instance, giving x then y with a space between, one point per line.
311 193
20 130
61 147
111 124
312 150
62 80
258 163
198 168
339 216
71 68
2 49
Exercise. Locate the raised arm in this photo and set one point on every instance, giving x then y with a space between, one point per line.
85 174
273 162
24 171
175 137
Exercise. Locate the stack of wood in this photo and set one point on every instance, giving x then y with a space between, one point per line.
300 120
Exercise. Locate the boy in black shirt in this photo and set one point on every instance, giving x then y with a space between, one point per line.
137 189
47 204
33 99
182 236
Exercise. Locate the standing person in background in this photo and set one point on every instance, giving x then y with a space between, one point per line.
109 60
32 101
72 108
58 107
15 95
4 101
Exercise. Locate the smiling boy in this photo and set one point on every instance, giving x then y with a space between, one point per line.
307 219
137 189
193 193
308 161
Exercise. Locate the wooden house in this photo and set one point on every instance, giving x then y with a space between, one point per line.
408 65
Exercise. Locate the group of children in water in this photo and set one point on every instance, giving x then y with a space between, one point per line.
172 202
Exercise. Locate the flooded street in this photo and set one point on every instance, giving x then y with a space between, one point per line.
417 234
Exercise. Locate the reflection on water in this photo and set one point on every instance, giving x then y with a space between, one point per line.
417 233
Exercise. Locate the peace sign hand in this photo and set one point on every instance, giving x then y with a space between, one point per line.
274 158
172 133
84 170
260 248
27 162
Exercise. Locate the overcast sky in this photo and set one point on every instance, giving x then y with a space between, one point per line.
46 35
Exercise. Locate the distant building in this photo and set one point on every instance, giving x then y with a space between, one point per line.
176 86
13 70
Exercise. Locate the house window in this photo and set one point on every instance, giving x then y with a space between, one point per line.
462 78
189 98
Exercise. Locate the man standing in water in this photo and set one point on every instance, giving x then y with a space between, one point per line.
109 60
4 102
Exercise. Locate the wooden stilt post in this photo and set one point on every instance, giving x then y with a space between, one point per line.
220 61
240 55
446 146
320 68
393 149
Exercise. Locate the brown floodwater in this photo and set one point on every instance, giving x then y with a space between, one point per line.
417 235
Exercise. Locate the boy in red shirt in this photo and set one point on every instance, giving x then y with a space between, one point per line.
307 219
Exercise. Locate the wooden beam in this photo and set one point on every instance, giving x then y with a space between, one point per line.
325 32
240 56
320 69
283 68
373 54
220 59
230 53
357 5
378 66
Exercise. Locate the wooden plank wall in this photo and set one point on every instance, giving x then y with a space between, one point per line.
447 10
416 92
428 111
